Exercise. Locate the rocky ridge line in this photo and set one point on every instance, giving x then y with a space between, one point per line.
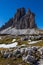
21 20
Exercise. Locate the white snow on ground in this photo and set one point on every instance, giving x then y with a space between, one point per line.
13 40
32 42
8 45
23 45
29 40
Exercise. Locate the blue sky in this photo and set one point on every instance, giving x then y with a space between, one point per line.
8 9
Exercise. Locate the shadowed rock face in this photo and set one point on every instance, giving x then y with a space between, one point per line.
21 20
7 24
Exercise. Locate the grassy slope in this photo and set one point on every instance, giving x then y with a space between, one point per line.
27 43
7 40
12 61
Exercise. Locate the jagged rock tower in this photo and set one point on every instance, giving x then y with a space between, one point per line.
21 20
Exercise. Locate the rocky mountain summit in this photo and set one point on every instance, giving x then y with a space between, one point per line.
22 23
21 20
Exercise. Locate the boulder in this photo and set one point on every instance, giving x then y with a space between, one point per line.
22 51
16 52
29 59
5 55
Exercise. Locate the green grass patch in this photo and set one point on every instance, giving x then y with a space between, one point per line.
22 42
6 40
12 61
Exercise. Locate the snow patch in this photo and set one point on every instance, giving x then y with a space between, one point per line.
13 40
8 45
32 42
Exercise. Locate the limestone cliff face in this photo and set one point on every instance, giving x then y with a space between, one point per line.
21 20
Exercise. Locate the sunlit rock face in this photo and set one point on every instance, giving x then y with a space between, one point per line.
21 20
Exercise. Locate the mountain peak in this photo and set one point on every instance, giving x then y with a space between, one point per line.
21 20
